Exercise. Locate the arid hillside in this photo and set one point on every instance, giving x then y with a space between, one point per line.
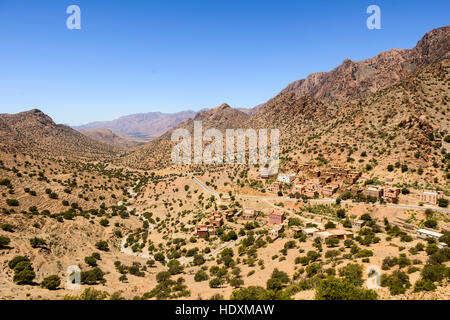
405 123
364 181
109 137
35 132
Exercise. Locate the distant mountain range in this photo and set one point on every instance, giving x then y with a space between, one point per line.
141 126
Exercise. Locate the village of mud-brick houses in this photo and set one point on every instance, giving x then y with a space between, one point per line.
311 181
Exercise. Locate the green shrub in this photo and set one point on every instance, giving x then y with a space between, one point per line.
91 261
443 203
215 283
201 276
93 276
424 285
364 253
24 277
89 294
38 243
353 273
250 293
23 271
102 246
397 282
12 202
342 289
434 273
7 227
51 282
4 241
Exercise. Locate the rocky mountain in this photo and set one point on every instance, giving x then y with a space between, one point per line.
354 79
144 126
157 153
110 137
403 124
251 111
221 117
367 114
35 132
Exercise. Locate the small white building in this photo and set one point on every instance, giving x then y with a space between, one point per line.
264 173
324 235
276 230
286 178
442 245
309 232
424 233
357 224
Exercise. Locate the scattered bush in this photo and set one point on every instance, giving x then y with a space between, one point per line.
51 282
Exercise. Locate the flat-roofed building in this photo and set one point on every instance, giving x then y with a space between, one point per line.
229 214
273 187
391 193
352 176
249 214
334 233
354 190
357 224
276 230
324 235
341 233
424 233
431 197
311 188
309 232
442 245
329 189
298 188
325 179
313 173
373 191
202 232
276 217
286 178
264 173
216 219
211 230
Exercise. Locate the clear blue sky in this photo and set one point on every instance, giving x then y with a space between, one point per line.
171 55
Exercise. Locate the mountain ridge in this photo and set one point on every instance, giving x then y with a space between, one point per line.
35 132
148 125
330 102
